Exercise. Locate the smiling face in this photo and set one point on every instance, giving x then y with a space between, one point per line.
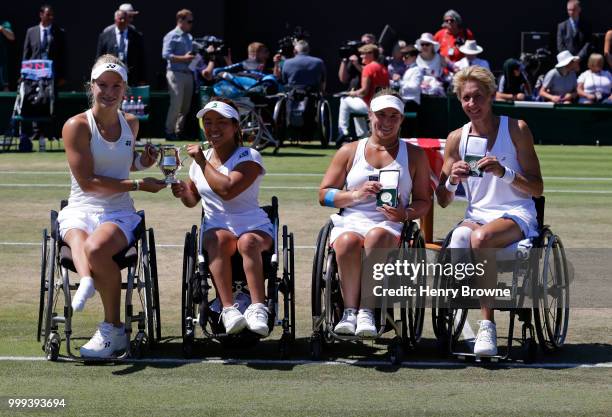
219 130
386 123
475 101
108 89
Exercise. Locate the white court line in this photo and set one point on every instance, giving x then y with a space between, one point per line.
338 362
157 245
298 188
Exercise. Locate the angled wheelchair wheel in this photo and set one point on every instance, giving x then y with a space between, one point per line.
49 335
325 123
279 117
154 285
289 280
414 313
44 261
187 304
145 292
551 294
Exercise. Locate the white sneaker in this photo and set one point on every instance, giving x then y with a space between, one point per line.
256 316
486 341
348 322
233 321
85 291
365 323
104 342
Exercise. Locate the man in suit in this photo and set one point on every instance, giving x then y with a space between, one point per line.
574 34
47 41
127 44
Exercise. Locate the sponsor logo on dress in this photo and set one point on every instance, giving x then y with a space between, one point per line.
243 154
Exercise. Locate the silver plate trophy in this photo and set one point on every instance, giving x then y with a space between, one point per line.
169 162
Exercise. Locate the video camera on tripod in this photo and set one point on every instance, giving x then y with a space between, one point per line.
349 48
286 43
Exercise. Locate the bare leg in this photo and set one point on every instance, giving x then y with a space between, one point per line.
75 238
250 245
221 245
100 246
348 256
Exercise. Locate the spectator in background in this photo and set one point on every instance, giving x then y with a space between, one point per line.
471 50
594 85
350 68
258 55
303 70
452 36
574 34
396 65
177 51
129 9
410 86
513 84
432 65
47 41
608 48
6 36
373 76
559 85
127 44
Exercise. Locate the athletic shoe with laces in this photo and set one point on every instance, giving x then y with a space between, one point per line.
256 316
365 323
486 340
233 321
105 342
348 322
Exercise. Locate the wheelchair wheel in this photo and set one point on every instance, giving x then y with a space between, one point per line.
414 314
44 260
49 333
145 292
154 285
325 123
280 120
289 278
551 294
187 306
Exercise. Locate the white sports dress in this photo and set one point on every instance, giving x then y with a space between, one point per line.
489 197
362 217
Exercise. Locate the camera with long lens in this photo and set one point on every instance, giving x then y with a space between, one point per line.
349 48
286 43
202 45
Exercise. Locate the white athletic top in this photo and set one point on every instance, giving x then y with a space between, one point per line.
490 198
241 210
111 159
365 212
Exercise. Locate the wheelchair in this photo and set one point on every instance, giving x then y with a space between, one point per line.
140 283
200 309
539 297
327 304
302 114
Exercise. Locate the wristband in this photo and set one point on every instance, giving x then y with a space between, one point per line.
329 197
138 163
135 185
450 186
508 176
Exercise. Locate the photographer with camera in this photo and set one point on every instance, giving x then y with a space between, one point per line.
374 76
350 67
211 53
258 55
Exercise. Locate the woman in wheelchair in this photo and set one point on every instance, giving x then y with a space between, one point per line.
351 183
226 178
500 208
99 219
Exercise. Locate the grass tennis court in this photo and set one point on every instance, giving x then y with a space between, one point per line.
578 189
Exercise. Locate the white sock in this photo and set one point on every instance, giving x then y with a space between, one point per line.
86 290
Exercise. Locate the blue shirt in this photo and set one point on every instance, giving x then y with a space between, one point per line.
177 42
304 71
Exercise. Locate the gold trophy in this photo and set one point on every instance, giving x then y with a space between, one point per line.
169 162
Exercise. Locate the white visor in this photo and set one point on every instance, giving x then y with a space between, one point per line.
102 68
220 107
385 102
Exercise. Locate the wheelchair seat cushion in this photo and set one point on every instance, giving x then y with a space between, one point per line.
126 257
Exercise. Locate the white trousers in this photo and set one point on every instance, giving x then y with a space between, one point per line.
353 105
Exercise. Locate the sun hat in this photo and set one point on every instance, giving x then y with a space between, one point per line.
427 38
564 58
220 107
470 47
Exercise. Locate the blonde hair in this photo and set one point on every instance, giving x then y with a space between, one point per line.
595 59
255 47
474 73
103 59
370 48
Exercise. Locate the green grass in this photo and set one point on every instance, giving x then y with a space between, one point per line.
583 220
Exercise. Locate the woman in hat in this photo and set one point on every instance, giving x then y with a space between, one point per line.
432 64
99 220
226 178
471 50
500 208
560 83
351 183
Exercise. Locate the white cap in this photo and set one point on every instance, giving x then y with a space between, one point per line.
564 58
127 7
386 102
220 107
108 66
